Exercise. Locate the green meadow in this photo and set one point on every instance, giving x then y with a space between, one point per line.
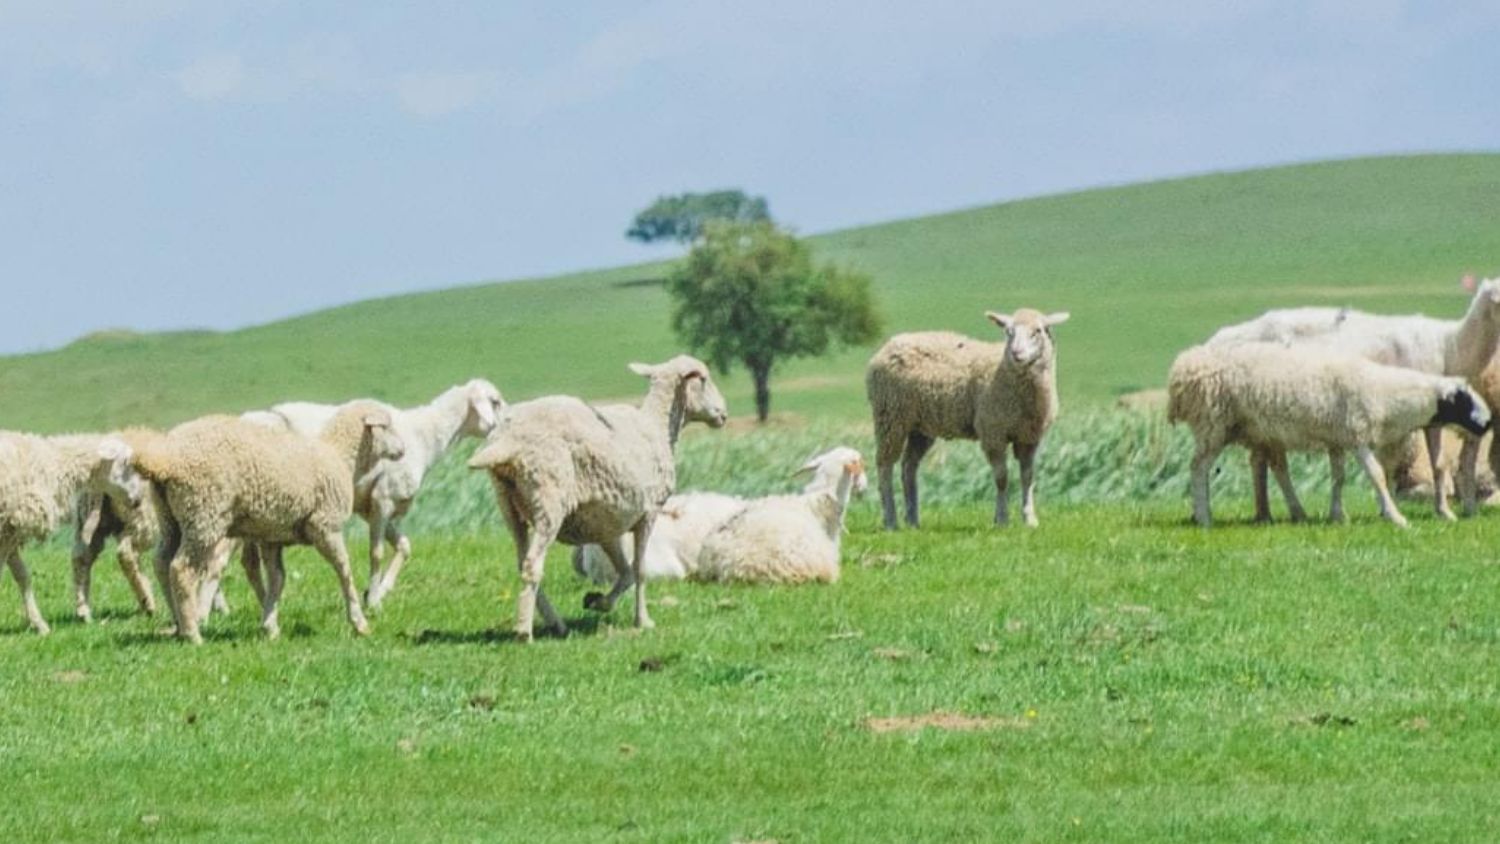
1115 675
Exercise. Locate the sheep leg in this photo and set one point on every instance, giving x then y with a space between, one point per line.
642 533
532 555
1468 480
387 582
1278 465
888 450
1439 474
917 446
377 557
166 551
1258 477
129 558
624 578
19 571
183 578
1336 485
250 561
1371 465
1002 484
1026 456
209 592
1203 460
331 545
88 543
270 619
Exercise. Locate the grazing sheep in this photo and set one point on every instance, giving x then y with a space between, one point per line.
467 410
1269 397
40 479
940 385
788 538
566 471
1465 347
224 478
687 519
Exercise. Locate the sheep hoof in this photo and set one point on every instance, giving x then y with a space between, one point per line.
524 637
43 630
597 601
273 632
361 627
1447 515
85 615
560 631
645 623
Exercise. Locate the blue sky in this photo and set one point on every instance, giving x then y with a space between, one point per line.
169 164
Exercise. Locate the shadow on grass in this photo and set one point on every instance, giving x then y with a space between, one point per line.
585 625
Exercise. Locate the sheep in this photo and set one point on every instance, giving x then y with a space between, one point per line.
224 478
788 538
566 471
1465 347
686 520
467 410
40 479
97 518
677 536
930 385
1279 399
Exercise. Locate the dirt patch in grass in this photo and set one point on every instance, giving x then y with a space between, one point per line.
940 720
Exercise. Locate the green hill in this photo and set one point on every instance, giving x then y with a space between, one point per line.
1145 269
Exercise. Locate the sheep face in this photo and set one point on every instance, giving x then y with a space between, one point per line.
1028 335
485 404
380 442
703 401
1459 405
115 476
827 469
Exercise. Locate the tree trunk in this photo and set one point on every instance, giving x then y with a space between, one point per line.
762 375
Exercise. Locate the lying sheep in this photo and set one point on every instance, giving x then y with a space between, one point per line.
224 478
40 479
788 538
940 385
686 520
1276 399
467 410
567 471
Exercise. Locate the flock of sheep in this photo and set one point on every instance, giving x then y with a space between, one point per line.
590 476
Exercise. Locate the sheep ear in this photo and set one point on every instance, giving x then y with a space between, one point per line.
1002 320
1056 319
376 420
810 466
642 369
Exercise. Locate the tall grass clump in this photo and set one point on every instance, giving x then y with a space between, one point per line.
1096 456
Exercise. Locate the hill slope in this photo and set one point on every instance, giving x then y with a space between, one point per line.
1145 269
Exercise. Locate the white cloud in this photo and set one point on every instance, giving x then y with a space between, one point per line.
436 94
212 77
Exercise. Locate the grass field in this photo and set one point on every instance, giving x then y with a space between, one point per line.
1117 675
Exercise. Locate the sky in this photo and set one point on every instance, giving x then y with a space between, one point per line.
214 164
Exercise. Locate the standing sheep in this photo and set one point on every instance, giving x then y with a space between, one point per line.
566 471
940 385
1269 397
428 431
40 479
788 538
99 517
687 519
224 478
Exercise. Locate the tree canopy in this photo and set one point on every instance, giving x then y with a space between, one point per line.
750 294
682 217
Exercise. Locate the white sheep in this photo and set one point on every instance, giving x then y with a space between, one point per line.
1278 399
98 517
1464 347
40 479
940 385
564 470
428 431
224 478
787 538
687 519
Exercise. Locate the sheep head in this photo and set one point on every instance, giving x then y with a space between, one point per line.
114 473
1458 404
831 466
484 404
1028 334
690 379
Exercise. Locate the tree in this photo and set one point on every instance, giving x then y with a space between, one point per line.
750 294
681 218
